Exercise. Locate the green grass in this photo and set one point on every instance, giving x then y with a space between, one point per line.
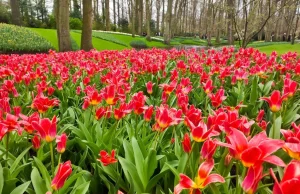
127 39
48 34
99 44
280 48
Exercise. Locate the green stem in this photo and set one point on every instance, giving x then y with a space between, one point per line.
189 156
156 140
7 142
59 158
52 157
240 190
205 105
274 119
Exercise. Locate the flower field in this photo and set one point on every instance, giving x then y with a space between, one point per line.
19 39
150 121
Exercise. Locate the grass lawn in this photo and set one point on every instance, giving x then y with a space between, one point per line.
127 39
50 34
280 48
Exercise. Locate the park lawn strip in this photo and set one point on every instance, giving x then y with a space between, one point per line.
280 48
51 35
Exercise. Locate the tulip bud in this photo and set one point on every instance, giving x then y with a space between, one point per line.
228 158
63 172
36 142
186 143
149 86
148 113
260 115
61 143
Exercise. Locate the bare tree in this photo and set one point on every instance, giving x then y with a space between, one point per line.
107 20
148 19
168 19
63 33
15 12
86 35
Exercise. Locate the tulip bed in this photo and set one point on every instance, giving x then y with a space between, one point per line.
150 121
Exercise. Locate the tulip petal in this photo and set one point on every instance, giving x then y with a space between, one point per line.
274 160
291 186
205 168
250 156
185 182
257 139
270 146
213 178
292 171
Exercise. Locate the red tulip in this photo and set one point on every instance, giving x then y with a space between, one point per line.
149 86
42 103
138 103
148 113
11 122
192 115
292 138
168 88
36 142
122 111
17 110
61 143
290 181
166 117
27 121
3 130
254 175
203 179
208 149
218 98
208 86
290 87
275 100
46 128
100 112
107 159
186 143
51 90
260 115
109 95
200 132
63 172
257 150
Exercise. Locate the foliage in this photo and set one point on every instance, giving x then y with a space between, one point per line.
19 39
75 24
4 14
124 25
138 44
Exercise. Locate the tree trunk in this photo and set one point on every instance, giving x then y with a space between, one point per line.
140 17
133 12
115 20
86 35
209 22
167 34
107 20
64 37
15 12
230 21
148 19
118 12
163 18
157 14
